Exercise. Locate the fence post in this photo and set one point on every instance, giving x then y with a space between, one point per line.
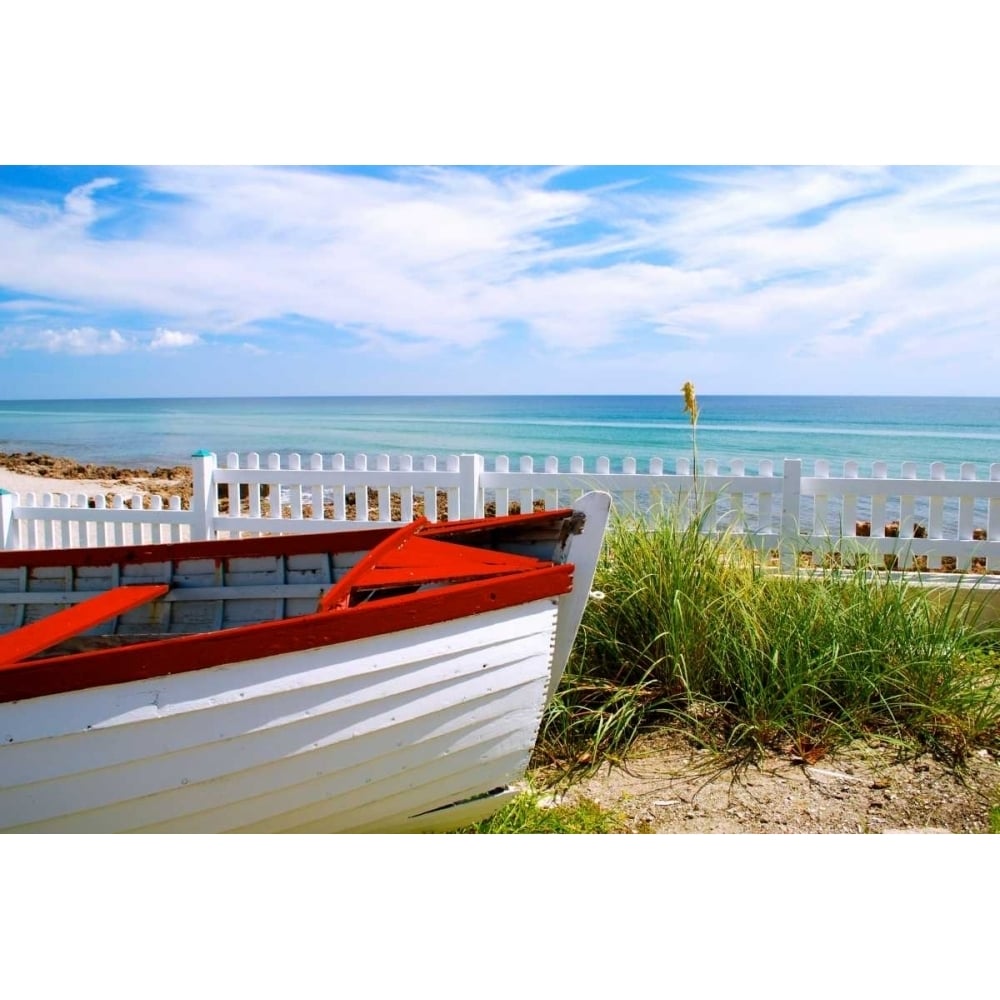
470 486
6 519
204 496
791 492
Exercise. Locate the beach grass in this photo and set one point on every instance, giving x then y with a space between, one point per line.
692 631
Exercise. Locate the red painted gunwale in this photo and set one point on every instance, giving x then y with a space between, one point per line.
180 654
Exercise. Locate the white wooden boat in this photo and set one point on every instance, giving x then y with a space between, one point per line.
368 680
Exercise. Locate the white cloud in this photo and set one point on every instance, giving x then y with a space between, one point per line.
172 340
79 205
83 341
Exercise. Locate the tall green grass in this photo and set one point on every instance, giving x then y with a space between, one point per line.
693 631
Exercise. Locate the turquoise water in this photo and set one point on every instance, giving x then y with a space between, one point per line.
148 432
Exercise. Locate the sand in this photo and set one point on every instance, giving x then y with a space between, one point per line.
18 482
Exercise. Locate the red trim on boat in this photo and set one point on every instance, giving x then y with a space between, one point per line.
180 654
477 524
338 596
408 559
425 560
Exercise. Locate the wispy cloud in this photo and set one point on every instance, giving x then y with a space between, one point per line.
80 207
802 267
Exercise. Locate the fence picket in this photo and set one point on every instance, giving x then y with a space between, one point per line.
451 492
103 527
655 495
765 505
406 492
118 504
907 503
791 492
736 521
850 507
965 502
992 518
295 486
7 521
502 493
470 495
821 501
382 491
274 487
685 493
316 489
526 495
49 532
79 536
880 470
430 492
935 520
338 463
252 489
629 496
551 496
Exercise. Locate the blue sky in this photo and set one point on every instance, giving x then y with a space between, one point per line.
149 279
252 281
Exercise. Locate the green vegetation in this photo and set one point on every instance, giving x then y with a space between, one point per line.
527 813
693 631
689 630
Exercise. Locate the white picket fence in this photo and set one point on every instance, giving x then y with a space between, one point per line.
70 520
938 519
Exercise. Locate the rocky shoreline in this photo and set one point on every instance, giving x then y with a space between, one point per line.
33 463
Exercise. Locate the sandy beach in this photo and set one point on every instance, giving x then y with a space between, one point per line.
17 482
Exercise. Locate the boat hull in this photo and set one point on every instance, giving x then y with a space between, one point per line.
286 685
382 735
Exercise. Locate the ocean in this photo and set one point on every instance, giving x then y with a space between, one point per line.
149 432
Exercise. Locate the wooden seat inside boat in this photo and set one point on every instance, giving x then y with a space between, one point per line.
61 625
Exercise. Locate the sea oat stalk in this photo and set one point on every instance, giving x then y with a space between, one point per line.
691 409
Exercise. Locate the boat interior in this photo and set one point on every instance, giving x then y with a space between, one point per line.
54 603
